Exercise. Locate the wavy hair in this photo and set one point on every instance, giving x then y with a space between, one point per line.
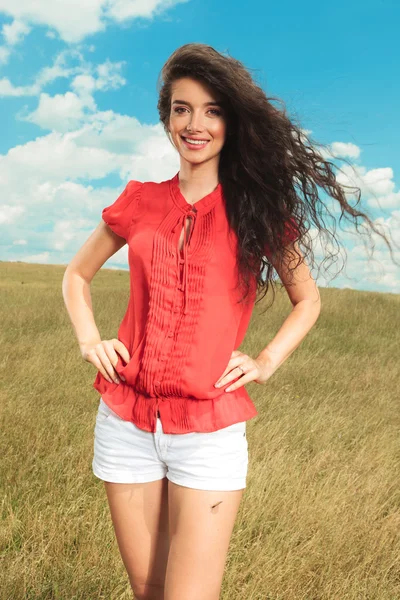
269 167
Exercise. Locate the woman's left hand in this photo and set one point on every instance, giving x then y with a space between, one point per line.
253 370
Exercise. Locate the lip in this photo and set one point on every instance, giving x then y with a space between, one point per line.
189 137
193 147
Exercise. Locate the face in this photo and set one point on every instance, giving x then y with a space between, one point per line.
196 115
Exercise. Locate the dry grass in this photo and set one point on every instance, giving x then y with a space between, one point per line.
320 517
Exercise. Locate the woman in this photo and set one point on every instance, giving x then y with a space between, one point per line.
170 442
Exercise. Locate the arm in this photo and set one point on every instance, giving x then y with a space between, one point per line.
98 248
306 301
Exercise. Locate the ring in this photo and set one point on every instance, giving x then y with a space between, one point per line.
241 368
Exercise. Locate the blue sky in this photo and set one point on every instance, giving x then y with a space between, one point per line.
79 109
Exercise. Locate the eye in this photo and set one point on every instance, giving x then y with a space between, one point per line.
216 111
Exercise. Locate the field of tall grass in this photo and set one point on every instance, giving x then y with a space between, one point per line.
320 517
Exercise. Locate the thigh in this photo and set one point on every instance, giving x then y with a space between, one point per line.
201 525
139 514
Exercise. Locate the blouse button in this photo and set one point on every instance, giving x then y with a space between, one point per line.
157 383
170 334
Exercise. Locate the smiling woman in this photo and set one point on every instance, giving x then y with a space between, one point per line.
170 443
197 123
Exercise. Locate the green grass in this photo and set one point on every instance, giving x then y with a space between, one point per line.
320 517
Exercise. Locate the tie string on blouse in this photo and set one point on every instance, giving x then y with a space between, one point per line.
191 212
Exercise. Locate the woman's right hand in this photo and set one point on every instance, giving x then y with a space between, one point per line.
103 355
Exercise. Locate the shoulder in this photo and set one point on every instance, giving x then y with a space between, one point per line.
153 192
133 187
120 213
156 186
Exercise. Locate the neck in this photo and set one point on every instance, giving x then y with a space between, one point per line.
195 180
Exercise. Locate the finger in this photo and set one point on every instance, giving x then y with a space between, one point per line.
218 383
97 363
105 354
234 374
121 349
233 363
228 367
241 382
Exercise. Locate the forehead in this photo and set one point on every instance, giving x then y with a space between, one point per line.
193 90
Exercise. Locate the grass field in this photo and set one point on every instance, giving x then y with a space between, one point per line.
320 517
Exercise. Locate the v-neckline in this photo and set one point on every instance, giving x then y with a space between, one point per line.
200 205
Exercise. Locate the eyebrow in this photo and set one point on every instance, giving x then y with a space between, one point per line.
205 103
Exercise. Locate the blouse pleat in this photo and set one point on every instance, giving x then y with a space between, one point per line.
183 321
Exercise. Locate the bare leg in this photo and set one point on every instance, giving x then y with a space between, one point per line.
201 525
139 513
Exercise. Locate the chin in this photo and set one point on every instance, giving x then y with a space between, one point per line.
199 161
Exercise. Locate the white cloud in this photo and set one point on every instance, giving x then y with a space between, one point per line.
386 202
70 64
40 180
360 263
57 157
15 32
345 149
41 258
10 213
66 64
71 19
8 89
62 112
109 77
377 185
4 55
74 20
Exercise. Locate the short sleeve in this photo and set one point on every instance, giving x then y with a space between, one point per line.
119 215
291 233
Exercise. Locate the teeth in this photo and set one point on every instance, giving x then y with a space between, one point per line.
198 142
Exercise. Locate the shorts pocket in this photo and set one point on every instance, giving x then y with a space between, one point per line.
103 412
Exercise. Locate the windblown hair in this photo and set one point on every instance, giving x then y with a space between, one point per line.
269 168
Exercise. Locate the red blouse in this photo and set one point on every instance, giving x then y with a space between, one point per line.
183 320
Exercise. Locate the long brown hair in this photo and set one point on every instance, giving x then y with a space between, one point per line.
269 167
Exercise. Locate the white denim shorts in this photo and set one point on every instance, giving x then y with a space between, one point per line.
124 453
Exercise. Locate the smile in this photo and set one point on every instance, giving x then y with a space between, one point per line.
198 143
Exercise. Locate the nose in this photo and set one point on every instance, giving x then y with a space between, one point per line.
196 122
